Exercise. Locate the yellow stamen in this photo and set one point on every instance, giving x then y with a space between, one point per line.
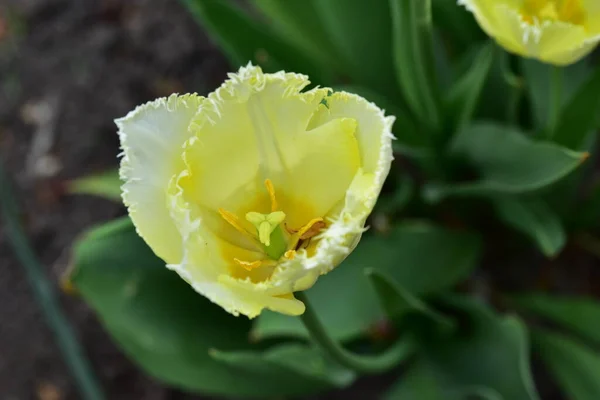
312 228
290 254
233 220
247 265
309 230
271 191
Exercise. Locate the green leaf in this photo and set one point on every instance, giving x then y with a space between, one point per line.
501 90
423 382
410 253
538 76
420 382
575 366
414 60
578 118
491 352
579 315
459 28
106 184
463 97
292 364
494 100
167 328
442 62
242 40
397 301
533 217
506 161
364 44
298 22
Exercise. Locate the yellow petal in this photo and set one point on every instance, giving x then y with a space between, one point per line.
346 222
151 139
236 295
559 34
563 44
592 8
243 134
321 163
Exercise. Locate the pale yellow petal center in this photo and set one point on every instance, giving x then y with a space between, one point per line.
276 238
265 174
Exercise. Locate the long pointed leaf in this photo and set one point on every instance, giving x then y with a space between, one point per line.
506 161
463 97
489 352
397 301
575 366
579 315
361 31
579 115
457 25
300 23
413 59
533 217
244 39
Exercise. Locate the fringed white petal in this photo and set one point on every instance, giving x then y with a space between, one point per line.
151 137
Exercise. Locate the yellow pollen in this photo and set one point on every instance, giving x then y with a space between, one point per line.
290 254
271 191
571 11
247 265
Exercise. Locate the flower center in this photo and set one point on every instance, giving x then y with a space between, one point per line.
570 11
271 234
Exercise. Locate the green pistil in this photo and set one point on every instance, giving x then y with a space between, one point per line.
270 233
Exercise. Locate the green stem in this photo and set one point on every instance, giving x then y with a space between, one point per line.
374 364
556 83
44 294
